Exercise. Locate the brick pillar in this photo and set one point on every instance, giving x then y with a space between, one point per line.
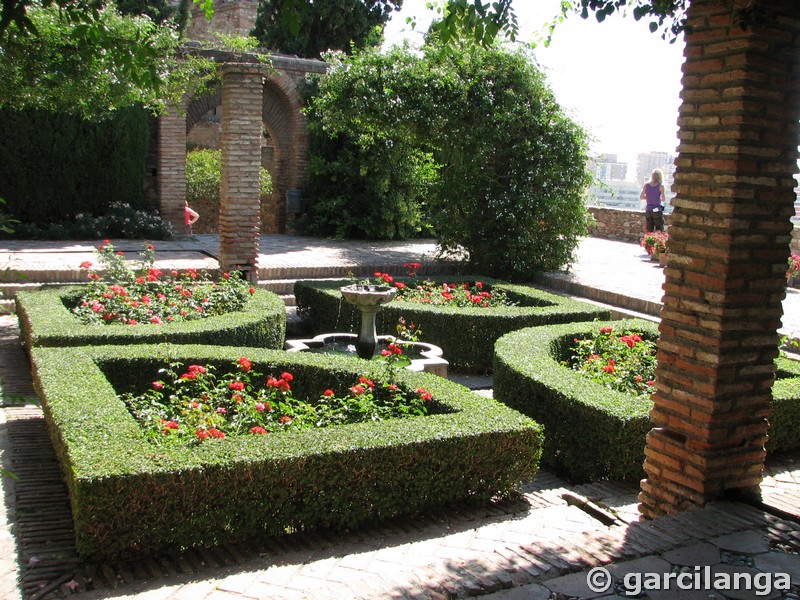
728 249
242 90
171 178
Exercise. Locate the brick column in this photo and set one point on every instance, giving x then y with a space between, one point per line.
242 91
728 249
171 176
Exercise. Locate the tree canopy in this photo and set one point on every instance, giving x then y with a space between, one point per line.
66 67
323 25
467 139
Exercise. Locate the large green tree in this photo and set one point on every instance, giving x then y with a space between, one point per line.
322 25
510 165
66 68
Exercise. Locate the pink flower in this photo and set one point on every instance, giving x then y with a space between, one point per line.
328 393
156 320
236 386
260 406
222 410
285 420
606 330
258 430
158 385
245 365
86 265
609 368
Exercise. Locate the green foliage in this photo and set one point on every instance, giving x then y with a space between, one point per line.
204 176
594 432
120 221
46 319
465 334
308 29
68 67
57 166
372 183
515 163
158 11
123 488
509 165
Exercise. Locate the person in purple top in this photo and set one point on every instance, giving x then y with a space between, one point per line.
653 194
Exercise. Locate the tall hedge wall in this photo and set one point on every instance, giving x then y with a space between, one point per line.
56 166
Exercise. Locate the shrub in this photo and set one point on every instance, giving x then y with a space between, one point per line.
470 136
120 221
593 432
46 319
122 488
465 334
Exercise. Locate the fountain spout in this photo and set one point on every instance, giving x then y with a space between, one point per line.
368 299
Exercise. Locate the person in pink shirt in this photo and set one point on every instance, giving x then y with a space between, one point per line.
189 218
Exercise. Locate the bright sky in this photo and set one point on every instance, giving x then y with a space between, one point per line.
618 80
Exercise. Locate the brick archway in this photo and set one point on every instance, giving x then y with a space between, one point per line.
279 102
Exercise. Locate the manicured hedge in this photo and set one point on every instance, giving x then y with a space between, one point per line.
46 320
466 335
130 496
784 431
593 432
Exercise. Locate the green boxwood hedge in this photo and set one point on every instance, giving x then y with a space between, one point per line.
46 320
593 432
784 431
466 335
130 496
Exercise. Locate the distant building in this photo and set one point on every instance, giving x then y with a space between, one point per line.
607 168
615 194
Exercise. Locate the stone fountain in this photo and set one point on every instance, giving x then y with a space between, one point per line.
368 299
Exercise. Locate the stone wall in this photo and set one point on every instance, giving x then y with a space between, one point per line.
620 224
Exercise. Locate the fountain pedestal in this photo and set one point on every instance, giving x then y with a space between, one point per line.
368 300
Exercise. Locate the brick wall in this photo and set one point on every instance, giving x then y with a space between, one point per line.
729 242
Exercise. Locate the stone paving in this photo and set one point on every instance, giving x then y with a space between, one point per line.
540 545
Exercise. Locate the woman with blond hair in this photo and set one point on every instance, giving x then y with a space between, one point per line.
653 194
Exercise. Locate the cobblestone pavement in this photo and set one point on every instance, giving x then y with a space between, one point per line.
539 545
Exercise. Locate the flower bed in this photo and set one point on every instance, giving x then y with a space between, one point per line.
591 431
466 334
130 495
46 319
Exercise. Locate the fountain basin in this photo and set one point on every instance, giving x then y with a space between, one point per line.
424 357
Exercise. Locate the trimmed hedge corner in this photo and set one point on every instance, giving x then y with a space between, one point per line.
465 334
594 432
46 320
131 496
784 420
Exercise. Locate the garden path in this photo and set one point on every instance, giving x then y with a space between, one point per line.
539 545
